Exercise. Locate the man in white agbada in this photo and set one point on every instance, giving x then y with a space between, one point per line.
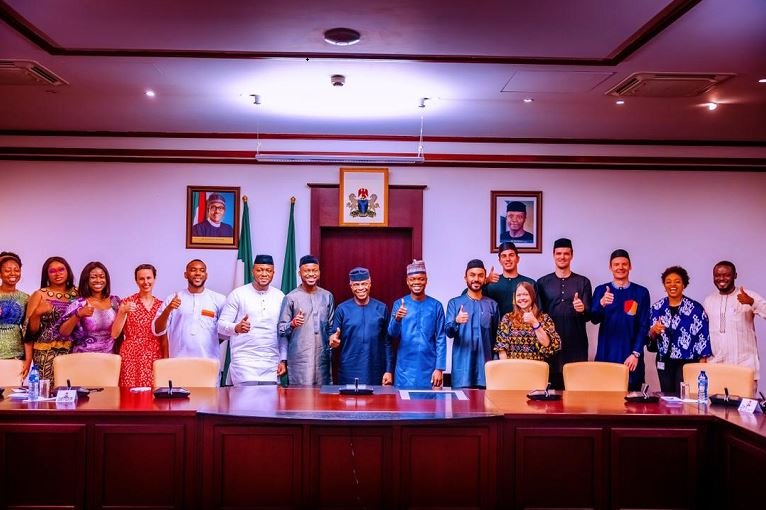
190 317
249 318
731 311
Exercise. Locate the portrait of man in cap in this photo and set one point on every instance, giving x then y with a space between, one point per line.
212 216
516 218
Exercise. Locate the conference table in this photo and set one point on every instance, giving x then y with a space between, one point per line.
297 447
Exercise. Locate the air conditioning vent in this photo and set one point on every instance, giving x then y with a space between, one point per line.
667 84
28 72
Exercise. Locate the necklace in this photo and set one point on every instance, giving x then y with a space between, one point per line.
70 295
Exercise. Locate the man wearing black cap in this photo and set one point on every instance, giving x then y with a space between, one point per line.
502 287
472 325
359 332
305 322
249 318
566 297
213 225
515 217
621 307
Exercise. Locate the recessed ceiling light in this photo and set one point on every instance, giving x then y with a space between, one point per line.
711 106
528 99
342 36
150 93
762 80
619 101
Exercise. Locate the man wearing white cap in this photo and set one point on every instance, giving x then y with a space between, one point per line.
418 321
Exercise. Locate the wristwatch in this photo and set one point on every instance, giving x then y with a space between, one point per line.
636 354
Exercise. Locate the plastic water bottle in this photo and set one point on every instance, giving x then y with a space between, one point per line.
702 388
34 383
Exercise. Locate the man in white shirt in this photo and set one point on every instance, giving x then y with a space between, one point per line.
190 317
249 318
731 312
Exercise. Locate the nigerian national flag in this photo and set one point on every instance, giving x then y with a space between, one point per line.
289 280
242 276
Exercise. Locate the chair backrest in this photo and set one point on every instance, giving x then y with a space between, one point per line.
192 372
738 379
10 372
516 374
87 369
595 376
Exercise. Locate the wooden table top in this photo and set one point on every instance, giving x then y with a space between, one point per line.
310 403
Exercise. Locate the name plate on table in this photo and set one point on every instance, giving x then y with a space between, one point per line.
66 397
748 405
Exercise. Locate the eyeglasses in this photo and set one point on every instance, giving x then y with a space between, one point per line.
217 207
52 270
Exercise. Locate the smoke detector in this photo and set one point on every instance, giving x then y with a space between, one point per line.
337 80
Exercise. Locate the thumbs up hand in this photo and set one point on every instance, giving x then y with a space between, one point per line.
298 320
335 339
85 311
401 312
657 328
243 326
608 297
577 303
175 302
462 316
745 298
493 277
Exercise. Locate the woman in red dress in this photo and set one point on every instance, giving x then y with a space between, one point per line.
140 347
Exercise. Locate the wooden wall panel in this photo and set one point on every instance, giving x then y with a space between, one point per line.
655 467
562 467
42 465
744 465
351 468
253 467
140 466
448 467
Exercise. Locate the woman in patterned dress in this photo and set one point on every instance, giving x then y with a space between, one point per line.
13 307
88 320
526 332
680 330
46 306
140 348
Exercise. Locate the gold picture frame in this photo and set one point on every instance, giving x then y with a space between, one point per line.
363 197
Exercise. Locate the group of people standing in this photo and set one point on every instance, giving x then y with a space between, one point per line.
272 335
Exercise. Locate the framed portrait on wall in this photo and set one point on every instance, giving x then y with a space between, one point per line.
516 216
212 217
363 197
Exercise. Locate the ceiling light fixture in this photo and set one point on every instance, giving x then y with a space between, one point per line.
762 80
342 36
619 101
711 106
150 93
329 158
528 99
